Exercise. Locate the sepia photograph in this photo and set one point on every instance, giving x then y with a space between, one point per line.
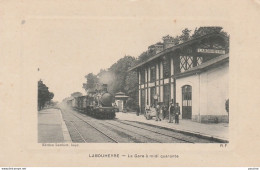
174 91
129 83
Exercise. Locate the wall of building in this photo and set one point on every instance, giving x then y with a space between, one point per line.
217 94
158 83
193 81
209 89
120 104
209 94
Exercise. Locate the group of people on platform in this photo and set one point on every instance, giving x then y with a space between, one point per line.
173 110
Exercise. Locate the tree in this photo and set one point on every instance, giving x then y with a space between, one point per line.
50 96
176 40
205 30
131 104
185 36
131 84
143 57
116 77
227 105
43 94
76 94
119 70
92 80
131 88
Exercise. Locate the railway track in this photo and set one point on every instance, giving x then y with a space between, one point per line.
73 124
151 139
155 132
105 125
94 127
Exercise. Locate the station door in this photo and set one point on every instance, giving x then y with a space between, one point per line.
120 105
186 102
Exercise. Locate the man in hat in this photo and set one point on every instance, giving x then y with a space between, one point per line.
177 113
171 112
164 111
158 108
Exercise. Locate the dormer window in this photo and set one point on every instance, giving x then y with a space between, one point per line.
186 62
199 60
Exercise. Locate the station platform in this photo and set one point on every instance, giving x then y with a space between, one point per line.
219 131
51 127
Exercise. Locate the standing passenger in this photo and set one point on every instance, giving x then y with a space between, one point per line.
164 111
171 112
177 113
137 110
157 112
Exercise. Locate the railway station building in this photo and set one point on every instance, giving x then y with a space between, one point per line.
193 73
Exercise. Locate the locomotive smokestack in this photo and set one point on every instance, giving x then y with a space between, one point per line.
104 88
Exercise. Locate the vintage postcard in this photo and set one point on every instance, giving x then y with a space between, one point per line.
129 83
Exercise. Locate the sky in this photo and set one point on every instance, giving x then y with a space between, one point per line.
67 49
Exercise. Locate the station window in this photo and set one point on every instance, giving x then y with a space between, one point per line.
186 95
186 62
142 76
152 94
152 74
166 68
217 46
166 94
199 60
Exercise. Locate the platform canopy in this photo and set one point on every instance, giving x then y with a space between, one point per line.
121 96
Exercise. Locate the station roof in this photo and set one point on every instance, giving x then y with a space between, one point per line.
213 63
121 95
171 49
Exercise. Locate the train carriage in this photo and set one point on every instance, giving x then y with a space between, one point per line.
74 103
69 102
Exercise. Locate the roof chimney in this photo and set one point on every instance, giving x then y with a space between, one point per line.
104 87
168 41
155 48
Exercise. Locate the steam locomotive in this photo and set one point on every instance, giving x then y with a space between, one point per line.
97 103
